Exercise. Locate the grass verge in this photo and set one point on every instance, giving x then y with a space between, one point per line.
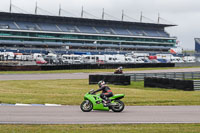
71 92
107 128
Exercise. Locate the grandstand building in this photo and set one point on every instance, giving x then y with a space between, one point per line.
197 44
29 33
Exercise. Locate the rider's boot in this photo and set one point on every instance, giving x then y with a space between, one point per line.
107 102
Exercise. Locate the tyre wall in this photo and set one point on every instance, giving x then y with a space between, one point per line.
110 79
186 85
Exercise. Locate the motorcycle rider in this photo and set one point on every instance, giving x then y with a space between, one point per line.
119 70
106 91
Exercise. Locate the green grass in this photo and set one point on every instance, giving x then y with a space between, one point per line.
89 70
71 92
107 128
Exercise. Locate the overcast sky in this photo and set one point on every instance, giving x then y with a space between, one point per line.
184 13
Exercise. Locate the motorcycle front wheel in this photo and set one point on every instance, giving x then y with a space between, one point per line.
86 106
119 107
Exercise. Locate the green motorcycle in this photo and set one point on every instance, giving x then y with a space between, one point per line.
95 102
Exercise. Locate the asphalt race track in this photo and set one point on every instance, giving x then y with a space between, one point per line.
79 75
73 115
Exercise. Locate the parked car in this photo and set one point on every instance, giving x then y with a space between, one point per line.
40 61
51 60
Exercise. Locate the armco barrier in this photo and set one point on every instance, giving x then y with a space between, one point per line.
187 85
110 79
187 64
20 68
196 84
84 66
170 75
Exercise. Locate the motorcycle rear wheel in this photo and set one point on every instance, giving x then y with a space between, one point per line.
86 106
119 107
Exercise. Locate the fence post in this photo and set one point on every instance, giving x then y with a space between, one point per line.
135 77
165 75
183 76
198 75
192 75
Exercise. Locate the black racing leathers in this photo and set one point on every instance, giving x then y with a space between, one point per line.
106 93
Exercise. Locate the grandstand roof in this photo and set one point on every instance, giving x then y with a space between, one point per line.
74 20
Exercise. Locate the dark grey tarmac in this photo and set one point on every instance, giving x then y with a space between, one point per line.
73 115
79 75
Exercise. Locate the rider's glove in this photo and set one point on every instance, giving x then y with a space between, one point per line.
93 92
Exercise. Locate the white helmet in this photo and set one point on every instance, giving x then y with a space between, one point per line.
100 83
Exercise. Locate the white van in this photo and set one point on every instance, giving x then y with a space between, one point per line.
89 58
8 55
11 55
71 59
120 58
189 59
109 58
176 60
36 56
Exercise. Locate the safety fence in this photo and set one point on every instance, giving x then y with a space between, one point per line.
170 75
196 84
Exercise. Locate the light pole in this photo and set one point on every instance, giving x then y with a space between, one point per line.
95 42
120 46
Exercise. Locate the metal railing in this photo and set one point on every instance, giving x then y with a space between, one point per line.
196 85
176 75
